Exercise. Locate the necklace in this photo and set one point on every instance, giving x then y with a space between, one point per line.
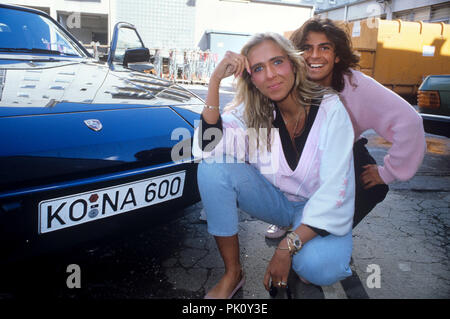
296 123
304 124
294 134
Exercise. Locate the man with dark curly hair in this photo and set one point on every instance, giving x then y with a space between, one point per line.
330 60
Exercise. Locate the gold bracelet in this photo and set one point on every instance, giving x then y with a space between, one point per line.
289 247
212 107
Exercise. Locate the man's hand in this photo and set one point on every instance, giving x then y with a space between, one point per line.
370 176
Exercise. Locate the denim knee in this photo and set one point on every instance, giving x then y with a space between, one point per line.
206 170
321 271
220 171
217 183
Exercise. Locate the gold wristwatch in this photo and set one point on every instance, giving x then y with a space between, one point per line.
294 242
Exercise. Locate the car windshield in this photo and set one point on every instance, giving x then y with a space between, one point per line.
28 32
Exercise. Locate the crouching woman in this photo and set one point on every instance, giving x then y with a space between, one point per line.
284 156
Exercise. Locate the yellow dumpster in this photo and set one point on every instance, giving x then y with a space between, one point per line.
400 54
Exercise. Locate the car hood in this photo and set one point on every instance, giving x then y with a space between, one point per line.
35 87
81 120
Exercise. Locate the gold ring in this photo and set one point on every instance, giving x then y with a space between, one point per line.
281 283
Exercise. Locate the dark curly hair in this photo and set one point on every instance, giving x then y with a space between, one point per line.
342 46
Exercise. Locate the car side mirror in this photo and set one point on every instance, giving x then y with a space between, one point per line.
136 55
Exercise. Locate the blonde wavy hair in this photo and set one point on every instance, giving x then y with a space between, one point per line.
259 109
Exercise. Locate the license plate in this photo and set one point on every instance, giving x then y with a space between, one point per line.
73 210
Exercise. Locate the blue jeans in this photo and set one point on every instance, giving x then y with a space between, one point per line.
226 186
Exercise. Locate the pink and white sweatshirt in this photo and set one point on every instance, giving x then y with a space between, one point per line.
324 176
372 106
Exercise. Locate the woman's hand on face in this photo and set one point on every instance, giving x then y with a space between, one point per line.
278 269
232 63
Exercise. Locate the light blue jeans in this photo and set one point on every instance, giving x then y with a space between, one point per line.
226 186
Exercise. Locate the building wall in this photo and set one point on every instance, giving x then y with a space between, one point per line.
326 4
181 24
92 27
247 17
337 14
349 11
435 13
400 5
184 24
425 10
364 10
441 13
87 20
72 6
161 23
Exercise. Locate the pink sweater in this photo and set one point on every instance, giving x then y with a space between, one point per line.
372 106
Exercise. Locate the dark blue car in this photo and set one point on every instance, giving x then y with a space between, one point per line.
87 148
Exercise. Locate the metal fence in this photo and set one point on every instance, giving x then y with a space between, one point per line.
185 66
188 66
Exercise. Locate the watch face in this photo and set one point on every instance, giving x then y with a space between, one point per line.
297 243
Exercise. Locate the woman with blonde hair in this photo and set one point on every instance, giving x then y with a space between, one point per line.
282 153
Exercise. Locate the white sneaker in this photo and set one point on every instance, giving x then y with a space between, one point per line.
273 231
202 215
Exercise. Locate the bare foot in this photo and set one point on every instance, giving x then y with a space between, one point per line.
224 288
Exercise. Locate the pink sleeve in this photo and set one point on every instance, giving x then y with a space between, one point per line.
398 122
